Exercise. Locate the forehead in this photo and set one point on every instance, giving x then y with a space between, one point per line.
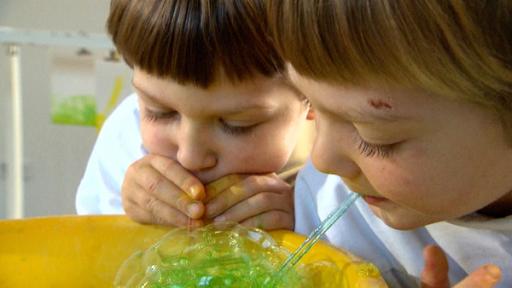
362 103
259 93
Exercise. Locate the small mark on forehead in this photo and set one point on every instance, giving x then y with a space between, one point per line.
379 104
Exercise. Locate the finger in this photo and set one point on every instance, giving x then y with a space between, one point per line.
134 212
154 185
216 187
243 190
435 272
178 175
161 214
486 276
257 204
271 220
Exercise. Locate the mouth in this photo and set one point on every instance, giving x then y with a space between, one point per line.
374 200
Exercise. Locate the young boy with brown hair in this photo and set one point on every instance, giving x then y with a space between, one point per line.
413 103
212 108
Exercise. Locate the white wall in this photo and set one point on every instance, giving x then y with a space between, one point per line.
4 119
67 15
55 155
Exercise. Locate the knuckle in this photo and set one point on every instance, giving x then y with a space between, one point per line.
150 204
153 183
283 185
253 181
158 220
263 198
275 217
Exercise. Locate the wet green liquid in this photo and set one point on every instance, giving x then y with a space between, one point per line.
231 256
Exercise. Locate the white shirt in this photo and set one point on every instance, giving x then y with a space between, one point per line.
469 242
119 144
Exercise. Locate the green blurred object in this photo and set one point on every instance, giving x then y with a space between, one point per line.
74 110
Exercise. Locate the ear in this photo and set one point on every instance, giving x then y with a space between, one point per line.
311 113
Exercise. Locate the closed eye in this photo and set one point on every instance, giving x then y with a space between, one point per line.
371 149
152 115
236 129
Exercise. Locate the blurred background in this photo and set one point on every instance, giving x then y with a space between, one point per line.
69 81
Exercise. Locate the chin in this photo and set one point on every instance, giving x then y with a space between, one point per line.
399 221
401 225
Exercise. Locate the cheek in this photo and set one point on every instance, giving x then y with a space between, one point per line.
419 185
412 181
397 182
264 162
156 140
270 148
264 153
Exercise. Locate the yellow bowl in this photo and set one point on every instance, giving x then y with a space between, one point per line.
87 251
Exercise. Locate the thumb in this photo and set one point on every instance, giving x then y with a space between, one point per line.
486 276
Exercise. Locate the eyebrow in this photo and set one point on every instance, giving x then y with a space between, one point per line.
230 111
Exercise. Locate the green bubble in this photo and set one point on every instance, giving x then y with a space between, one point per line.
226 255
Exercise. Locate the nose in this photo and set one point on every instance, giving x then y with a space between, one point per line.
329 156
194 152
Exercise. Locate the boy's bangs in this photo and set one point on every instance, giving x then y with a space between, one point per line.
398 43
192 41
344 44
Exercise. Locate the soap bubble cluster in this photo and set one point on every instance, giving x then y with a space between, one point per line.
217 255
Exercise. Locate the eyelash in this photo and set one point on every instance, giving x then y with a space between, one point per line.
236 130
153 116
379 150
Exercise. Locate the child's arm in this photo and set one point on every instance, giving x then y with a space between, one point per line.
435 273
159 190
263 201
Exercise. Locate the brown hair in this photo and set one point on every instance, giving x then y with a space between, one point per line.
191 41
460 49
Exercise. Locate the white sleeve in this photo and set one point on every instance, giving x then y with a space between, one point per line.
118 145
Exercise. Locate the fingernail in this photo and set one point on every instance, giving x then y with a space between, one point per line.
194 209
493 271
219 219
195 191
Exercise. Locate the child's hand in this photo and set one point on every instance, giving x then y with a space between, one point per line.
263 201
435 273
159 190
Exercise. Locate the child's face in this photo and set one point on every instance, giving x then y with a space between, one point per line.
250 127
416 158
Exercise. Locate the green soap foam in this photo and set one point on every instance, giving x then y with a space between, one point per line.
227 255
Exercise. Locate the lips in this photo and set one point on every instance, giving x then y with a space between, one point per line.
374 200
370 199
